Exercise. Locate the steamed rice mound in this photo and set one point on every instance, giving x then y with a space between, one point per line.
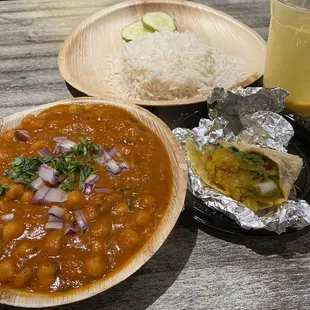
170 65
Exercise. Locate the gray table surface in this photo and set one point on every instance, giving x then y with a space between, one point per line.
196 268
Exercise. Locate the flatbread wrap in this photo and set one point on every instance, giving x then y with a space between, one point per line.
260 178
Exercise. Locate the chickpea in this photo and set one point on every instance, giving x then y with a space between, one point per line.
22 277
128 238
76 200
99 203
94 266
7 270
27 197
53 243
46 275
101 228
120 208
28 119
12 230
140 217
97 246
91 213
24 248
15 191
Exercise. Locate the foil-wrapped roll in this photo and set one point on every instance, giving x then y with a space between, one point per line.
248 115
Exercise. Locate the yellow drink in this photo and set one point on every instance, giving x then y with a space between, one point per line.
288 53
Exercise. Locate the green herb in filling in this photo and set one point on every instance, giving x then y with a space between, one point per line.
258 163
129 203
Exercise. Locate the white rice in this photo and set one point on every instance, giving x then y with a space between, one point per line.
170 65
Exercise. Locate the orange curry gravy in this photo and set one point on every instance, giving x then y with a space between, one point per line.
119 220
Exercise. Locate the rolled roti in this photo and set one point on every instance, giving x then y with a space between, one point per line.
288 169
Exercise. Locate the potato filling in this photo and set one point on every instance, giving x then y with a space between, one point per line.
247 177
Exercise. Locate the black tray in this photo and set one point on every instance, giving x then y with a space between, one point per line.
188 116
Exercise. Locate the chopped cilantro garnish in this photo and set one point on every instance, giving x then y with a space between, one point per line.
47 158
69 166
24 169
85 147
85 172
68 183
3 187
129 203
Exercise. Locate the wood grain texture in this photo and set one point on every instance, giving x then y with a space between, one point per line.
82 58
196 268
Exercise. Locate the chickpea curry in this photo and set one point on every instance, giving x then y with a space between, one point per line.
82 188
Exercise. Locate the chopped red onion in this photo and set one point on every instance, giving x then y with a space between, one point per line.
55 195
90 183
56 211
102 189
113 167
75 225
60 178
93 178
59 140
64 145
88 187
114 151
53 218
48 174
37 183
100 160
54 225
22 135
69 230
107 157
46 194
81 220
106 160
7 217
43 151
123 166
40 194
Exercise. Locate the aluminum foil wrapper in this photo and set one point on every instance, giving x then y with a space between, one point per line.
248 115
